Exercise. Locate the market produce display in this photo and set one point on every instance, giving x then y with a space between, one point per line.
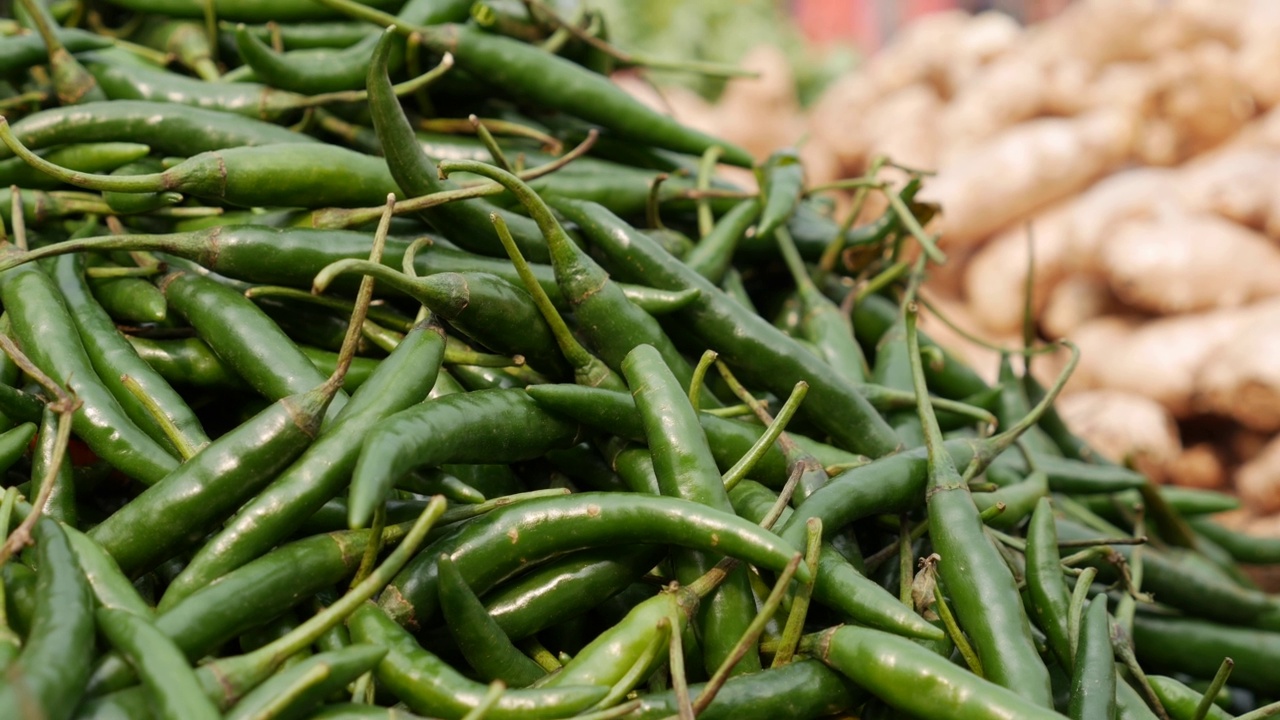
1135 141
390 361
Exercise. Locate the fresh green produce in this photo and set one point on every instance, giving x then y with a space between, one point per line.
341 417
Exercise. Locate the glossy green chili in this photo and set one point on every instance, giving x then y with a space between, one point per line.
48 677
167 128
982 589
756 350
487 426
483 643
170 682
1093 677
428 685
917 680
686 469
113 359
42 325
492 547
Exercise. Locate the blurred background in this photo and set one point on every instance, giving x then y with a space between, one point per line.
1133 139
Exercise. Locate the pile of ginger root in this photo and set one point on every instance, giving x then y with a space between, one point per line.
1132 149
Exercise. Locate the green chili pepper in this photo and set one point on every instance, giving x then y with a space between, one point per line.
1093 678
563 589
186 41
426 684
19 52
244 337
282 175
303 687
1046 588
782 184
800 690
490 548
1181 701
754 348
15 441
712 256
483 643
42 325
48 676
167 128
170 682
1196 647
110 587
916 680
61 504
465 222
983 591
466 427
113 359
127 300
686 469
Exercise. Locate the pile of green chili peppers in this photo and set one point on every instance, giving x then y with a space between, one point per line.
482 395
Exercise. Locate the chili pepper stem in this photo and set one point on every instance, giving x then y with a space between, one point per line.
65 406
744 466
699 374
679 679
491 697
155 182
749 638
956 635
1211 692
794 626
239 674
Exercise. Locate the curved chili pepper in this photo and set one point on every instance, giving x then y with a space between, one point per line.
565 588
466 222
403 378
48 676
492 547
43 327
757 350
167 128
426 684
686 469
483 643
170 682
977 580
465 428
917 680
1093 677
279 175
